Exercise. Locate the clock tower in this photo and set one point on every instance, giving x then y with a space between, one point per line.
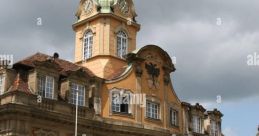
105 32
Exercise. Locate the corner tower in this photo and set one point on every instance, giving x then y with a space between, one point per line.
105 32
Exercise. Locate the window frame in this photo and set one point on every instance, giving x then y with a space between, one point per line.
122 41
174 122
214 128
87 45
149 114
116 107
72 100
2 84
197 124
42 88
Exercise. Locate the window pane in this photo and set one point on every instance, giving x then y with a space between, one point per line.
2 84
122 41
152 110
120 102
87 45
41 86
49 87
174 117
214 130
81 94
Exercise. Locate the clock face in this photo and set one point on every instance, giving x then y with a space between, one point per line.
124 7
88 6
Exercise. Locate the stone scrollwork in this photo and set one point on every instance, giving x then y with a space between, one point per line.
167 79
42 132
138 71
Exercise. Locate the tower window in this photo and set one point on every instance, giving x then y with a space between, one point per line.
122 44
81 94
2 84
46 86
87 45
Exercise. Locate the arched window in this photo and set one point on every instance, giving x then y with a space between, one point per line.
87 45
122 44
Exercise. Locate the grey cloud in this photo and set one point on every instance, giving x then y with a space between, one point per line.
211 59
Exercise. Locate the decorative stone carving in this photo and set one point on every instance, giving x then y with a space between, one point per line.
167 79
154 73
138 71
105 5
42 132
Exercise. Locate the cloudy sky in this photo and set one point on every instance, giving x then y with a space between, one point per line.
211 40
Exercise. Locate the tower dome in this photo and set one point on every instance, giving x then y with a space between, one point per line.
105 5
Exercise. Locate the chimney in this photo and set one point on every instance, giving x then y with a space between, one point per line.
55 55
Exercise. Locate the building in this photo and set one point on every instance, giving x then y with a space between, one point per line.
122 91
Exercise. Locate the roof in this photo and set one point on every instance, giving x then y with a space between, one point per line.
65 66
215 112
134 55
119 73
163 53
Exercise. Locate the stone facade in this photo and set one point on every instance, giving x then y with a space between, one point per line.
38 93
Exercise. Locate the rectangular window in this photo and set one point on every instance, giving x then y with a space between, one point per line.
197 124
214 128
46 86
174 117
2 84
152 110
120 102
81 94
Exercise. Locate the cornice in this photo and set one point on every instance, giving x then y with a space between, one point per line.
99 15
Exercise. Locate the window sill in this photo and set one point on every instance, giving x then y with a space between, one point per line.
153 120
174 126
121 114
198 134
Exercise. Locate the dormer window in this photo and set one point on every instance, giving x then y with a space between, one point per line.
120 102
214 129
81 94
122 44
46 86
197 124
2 78
87 45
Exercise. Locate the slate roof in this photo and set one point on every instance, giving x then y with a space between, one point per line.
65 66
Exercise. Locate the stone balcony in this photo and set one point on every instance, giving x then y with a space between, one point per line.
48 105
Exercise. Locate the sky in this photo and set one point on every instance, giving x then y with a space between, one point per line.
211 40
